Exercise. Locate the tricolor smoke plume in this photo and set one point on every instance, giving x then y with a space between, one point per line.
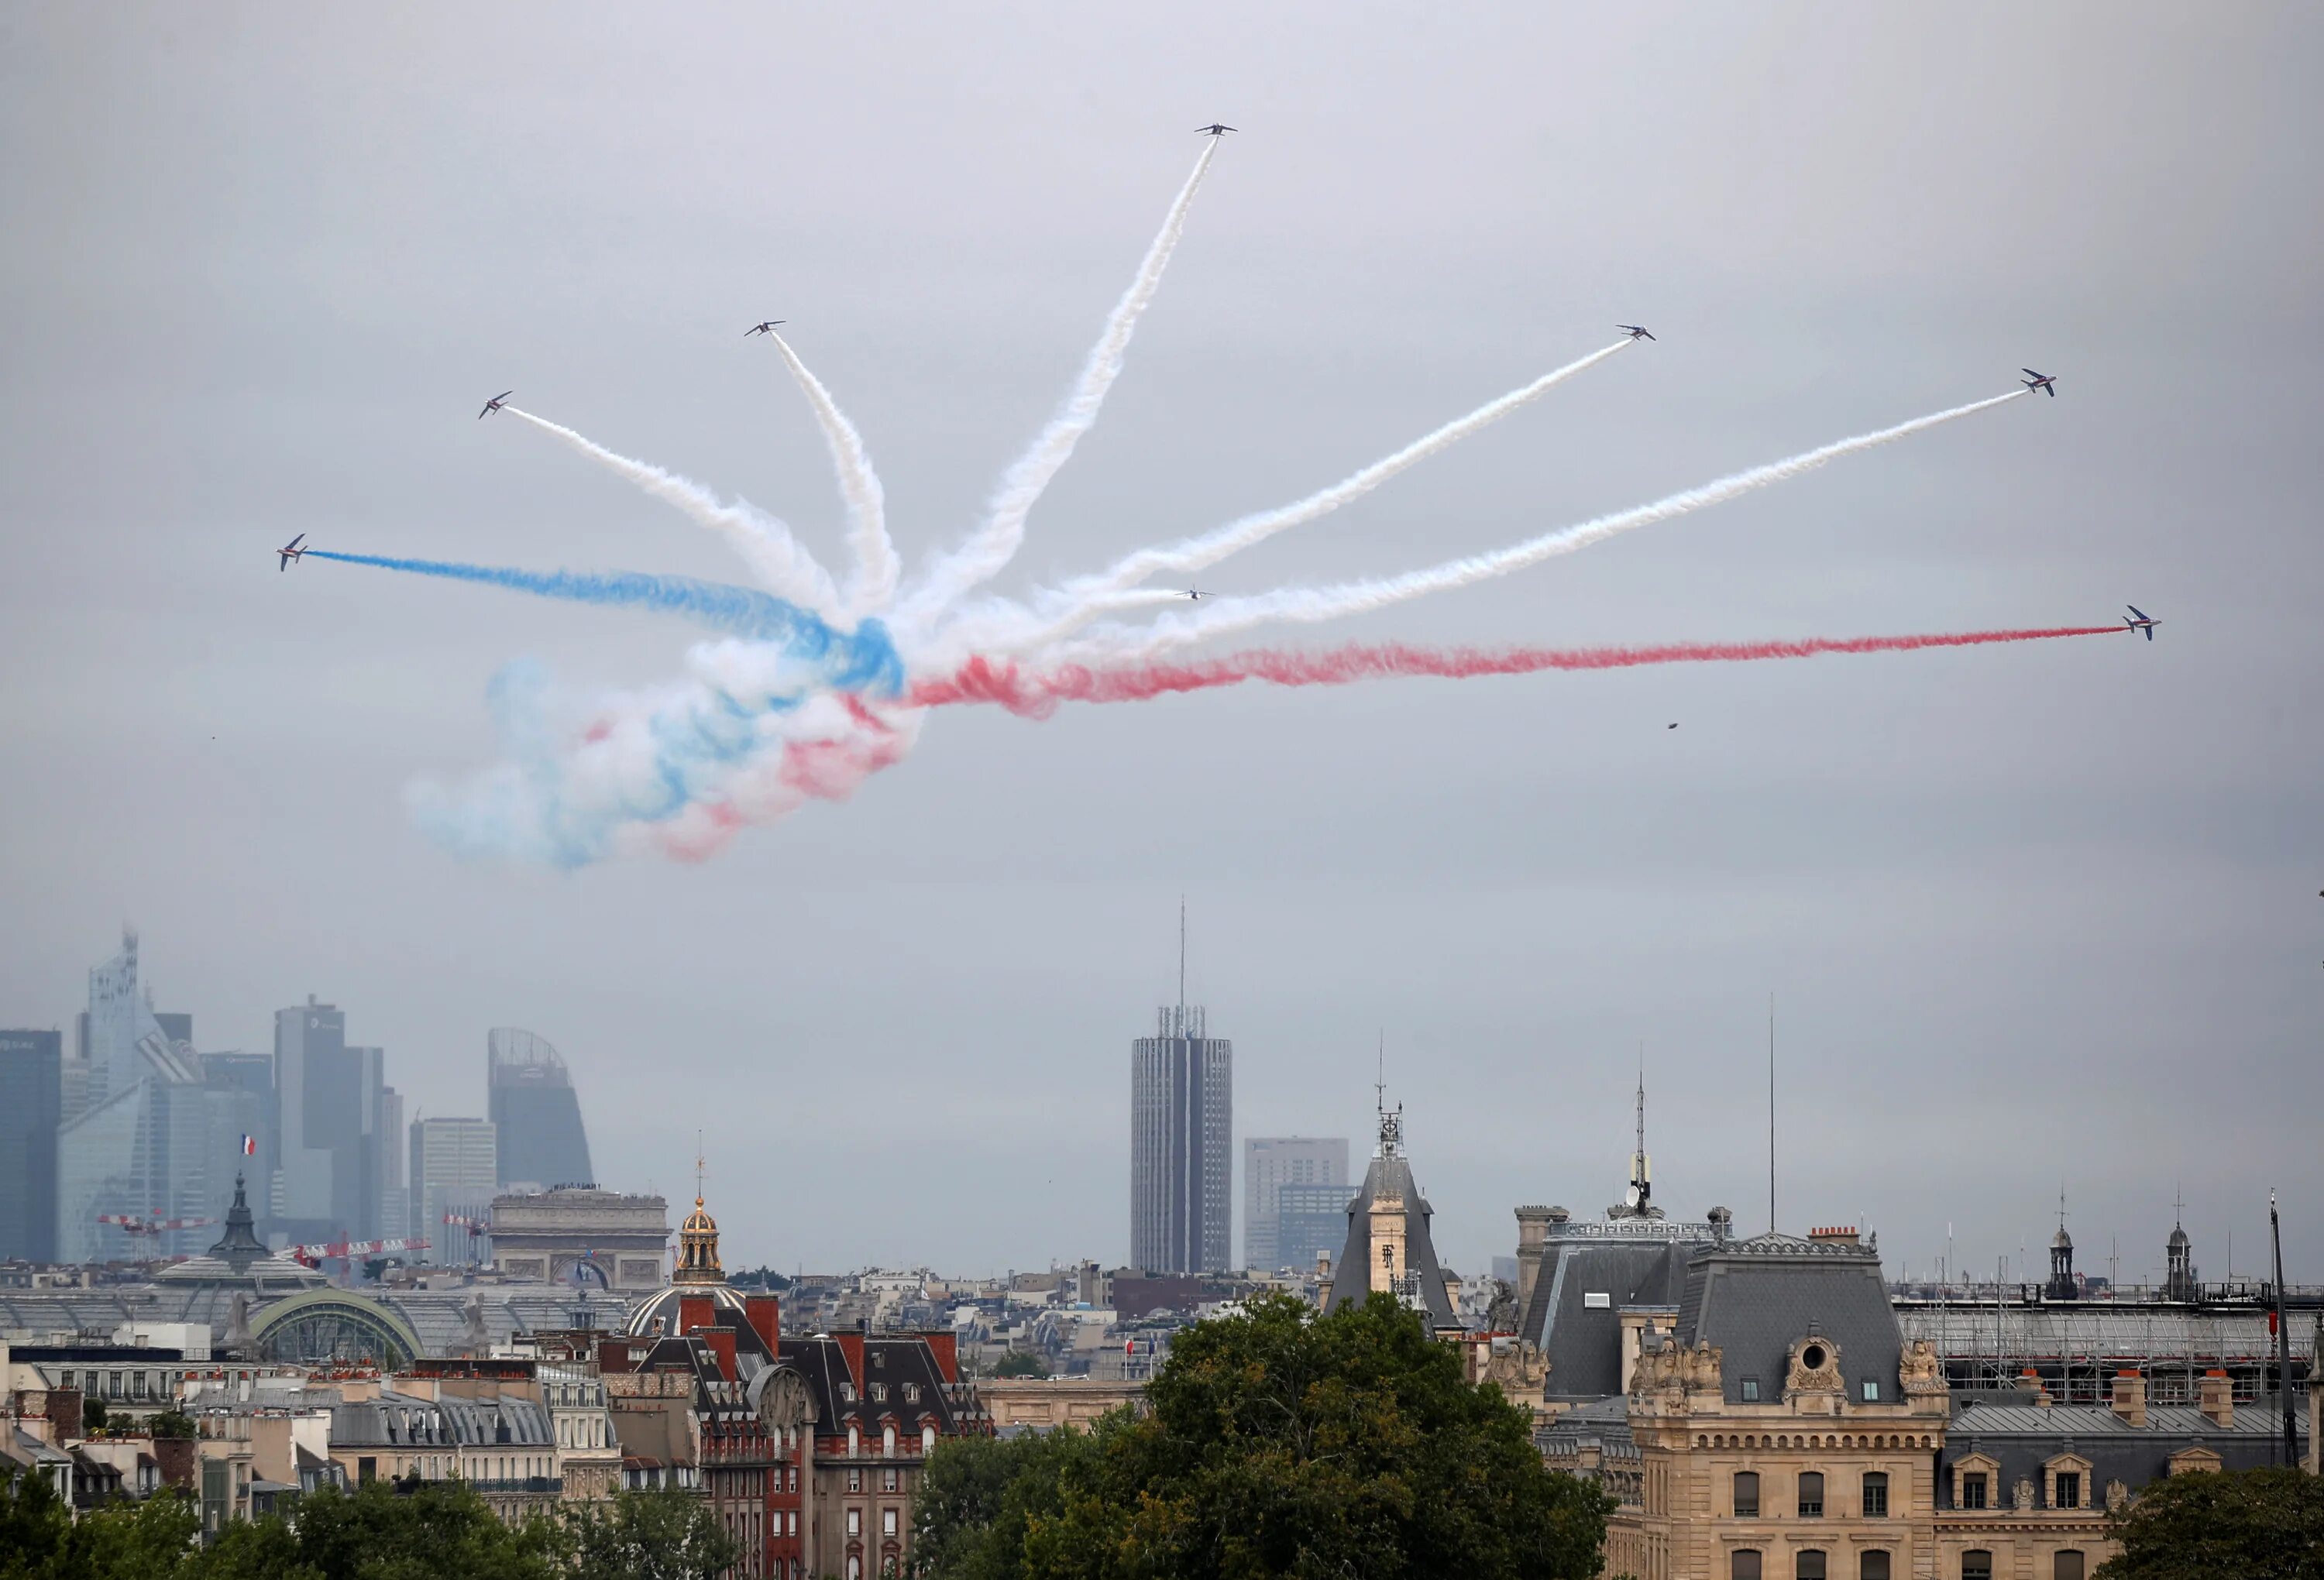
807 693
1309 605
1036 693
996 541
765 544
872 581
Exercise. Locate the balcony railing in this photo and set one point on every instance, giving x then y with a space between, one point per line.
539 1484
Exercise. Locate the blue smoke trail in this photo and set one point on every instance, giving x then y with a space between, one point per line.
864 660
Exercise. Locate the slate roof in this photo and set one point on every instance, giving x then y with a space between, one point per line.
1753 1298
1582 1341
891 1361
1392 1176
399 1421
2024 1438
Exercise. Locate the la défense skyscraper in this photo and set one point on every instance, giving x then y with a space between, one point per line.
1181 1140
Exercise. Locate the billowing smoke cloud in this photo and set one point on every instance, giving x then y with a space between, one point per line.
738 610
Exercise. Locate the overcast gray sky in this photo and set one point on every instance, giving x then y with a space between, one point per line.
2032 915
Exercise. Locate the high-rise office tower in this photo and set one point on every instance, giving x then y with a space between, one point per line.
131 1145
1181 1145
332 1106
455 1172
1270 1162
537 1113
32 1069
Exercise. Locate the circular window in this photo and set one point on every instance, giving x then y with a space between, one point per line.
1812 1357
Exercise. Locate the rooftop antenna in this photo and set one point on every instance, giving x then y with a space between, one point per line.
1182 963
1639 1187
1771 1113
1380 1083
699 1165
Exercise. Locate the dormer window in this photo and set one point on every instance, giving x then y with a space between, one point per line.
879 1393
1750 1390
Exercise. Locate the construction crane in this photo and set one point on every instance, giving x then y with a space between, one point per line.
332 1249
142 1225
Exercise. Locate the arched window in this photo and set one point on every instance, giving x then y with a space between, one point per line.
1743 1565
1747 1494
888 1439
1809 1565
1810 1495
1872 1565
1977 1564
2070 1565
854 1442
928 1440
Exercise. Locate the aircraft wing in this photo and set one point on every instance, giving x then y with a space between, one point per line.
2136 610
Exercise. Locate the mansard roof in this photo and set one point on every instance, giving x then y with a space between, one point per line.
1753 1298
842 1399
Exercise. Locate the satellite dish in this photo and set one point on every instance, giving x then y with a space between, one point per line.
1630 1195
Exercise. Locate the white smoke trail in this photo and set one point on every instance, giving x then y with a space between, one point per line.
1308 605
1192 554
995 542
872 583
1067 609
775 557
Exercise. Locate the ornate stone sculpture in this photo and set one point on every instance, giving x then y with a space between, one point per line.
1921 1371
1816 1367
2022 1494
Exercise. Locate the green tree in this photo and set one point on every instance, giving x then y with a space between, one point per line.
34 1524
172 1423
1021 1364
978 1495
92 1417
2252 1524
1278 1442
152 1539
662 1534
442 1530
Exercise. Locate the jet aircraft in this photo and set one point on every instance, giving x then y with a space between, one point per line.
291 551
1214 129
2144 623
1638 331
493 404
1197 594
2045 382
766 328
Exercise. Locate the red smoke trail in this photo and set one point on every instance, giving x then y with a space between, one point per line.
1036 694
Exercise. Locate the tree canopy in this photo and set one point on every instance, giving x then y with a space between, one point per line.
432 1530
1275 1443
2252 1524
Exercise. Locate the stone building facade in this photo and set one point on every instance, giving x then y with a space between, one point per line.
582 1234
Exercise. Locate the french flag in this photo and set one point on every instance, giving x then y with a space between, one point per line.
249 1146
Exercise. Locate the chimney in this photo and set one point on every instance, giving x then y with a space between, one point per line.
2219 1398
1840 1235
851 1345
1533 1228
693 1311
2030 1379
2130 1398
945 1346
177 1458
766 1314
721 1341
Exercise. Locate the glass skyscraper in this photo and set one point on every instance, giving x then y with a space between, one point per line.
31 1071
535 1112
1181 1145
